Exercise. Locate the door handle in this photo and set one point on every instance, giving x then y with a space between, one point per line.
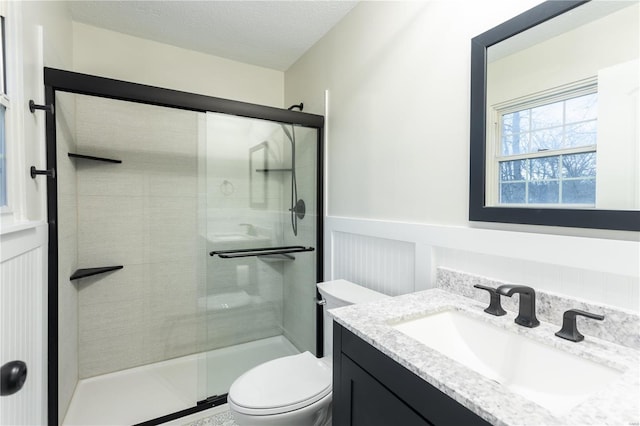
12 377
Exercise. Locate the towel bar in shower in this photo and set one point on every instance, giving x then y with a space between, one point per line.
232 254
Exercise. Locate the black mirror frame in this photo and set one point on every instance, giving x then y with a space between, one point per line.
628 220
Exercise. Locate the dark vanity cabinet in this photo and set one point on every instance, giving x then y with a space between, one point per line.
371 389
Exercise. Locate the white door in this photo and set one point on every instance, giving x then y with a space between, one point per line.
23 260
23 227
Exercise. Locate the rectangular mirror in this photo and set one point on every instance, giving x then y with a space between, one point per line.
554 117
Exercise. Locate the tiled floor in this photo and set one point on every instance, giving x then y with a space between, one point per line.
222 419
217 416
144 393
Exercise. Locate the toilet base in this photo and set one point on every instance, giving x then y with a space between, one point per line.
317 414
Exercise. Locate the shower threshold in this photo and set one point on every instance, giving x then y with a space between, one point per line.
151 391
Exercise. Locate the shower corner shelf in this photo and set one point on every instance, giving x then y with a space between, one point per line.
93 158
87 272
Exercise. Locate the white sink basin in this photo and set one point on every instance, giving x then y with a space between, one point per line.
545 375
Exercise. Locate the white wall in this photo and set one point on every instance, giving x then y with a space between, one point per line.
44 38
47 41
56 51
115 55
398 75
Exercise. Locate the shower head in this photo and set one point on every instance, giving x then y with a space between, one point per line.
299 106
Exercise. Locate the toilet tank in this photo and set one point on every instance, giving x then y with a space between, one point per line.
339 293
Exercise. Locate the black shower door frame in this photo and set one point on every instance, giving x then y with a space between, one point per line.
83 84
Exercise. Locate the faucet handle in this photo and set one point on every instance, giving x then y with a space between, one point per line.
494 304
569 328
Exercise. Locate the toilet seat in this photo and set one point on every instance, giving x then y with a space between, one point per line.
282 385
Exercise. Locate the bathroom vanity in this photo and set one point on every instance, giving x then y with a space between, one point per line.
370 388
384 375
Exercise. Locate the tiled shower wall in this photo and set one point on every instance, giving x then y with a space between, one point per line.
141 214
155 215
67 251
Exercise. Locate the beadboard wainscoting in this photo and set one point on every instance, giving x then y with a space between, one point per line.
397 258
23 263
381 264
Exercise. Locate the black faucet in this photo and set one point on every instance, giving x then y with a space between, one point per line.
569 328
527 312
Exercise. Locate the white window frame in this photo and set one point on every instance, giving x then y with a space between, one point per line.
494 137
12 215
4 98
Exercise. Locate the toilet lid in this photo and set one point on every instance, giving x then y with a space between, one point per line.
284 384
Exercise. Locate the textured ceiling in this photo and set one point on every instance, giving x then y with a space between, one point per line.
272 34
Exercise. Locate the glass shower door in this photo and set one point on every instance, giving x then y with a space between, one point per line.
128 255
258 220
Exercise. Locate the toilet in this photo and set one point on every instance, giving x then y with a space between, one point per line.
295 390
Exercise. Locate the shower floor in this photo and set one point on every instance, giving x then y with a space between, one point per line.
143 393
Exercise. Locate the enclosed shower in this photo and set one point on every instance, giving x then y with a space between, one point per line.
185 246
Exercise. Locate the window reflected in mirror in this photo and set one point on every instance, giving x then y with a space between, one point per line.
546 152
555 107
549 141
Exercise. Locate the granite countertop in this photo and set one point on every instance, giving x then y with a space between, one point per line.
615 404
